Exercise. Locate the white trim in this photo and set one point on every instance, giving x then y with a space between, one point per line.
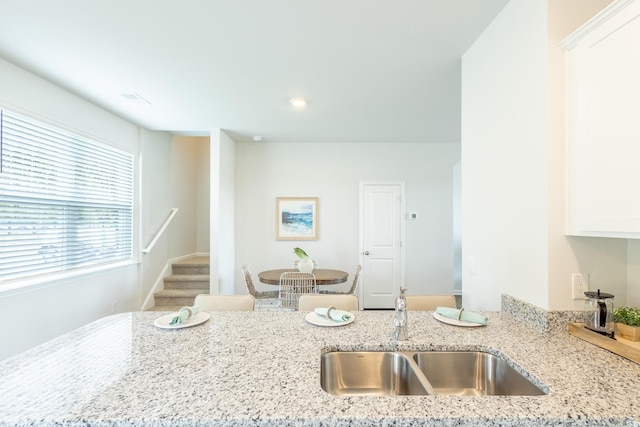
606 13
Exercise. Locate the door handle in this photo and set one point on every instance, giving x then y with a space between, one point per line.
366 252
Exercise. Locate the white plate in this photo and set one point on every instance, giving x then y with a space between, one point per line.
316 319
163 321
454 322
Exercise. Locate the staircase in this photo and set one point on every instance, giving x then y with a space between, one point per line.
189 278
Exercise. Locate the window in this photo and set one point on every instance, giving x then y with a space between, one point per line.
66 201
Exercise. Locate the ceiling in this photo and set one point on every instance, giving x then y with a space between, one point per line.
371 70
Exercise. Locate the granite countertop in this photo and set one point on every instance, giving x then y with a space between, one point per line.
263 368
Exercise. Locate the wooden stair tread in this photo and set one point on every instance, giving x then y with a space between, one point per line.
194 260
178 293
187 277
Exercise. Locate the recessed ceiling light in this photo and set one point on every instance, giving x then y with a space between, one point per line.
135 97
257 138
298 102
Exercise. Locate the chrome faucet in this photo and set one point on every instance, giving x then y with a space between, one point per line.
400 318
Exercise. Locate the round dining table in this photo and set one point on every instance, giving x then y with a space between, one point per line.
323 276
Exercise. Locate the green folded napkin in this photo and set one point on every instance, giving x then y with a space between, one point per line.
465 316
334 314
184 314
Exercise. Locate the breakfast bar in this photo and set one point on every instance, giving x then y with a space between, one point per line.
262 368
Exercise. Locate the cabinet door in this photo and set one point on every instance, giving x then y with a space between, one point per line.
604 124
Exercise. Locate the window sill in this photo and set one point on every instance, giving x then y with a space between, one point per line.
34 283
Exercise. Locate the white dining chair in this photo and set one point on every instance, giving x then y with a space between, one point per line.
352 289
430 302
309 302
209 302
269 296
292 285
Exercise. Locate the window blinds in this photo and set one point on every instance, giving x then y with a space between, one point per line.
65 201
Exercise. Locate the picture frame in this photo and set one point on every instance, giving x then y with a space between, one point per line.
297 218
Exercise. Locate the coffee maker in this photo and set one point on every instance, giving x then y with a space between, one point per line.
598 314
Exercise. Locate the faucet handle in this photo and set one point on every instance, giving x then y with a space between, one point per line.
401 301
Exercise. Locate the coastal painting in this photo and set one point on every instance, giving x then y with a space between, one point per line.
297 218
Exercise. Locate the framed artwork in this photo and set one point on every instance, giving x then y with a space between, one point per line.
297 218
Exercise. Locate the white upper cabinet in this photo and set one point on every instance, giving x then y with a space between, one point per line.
603 124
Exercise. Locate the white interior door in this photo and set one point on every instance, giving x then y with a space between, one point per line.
382 235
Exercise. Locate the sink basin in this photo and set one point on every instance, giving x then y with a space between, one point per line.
393 373
473 373
378 373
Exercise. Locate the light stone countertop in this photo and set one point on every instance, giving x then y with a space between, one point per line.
263 368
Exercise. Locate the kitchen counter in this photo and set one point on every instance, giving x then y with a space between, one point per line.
263 368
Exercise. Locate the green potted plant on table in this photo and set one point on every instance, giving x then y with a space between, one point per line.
305 264
627 321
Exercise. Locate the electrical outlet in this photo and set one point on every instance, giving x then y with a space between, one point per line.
579 285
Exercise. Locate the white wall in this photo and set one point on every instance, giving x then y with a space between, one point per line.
203 196
633 275
222 223
182 189
154 165
513 165
457 229
189 187
504 182
332 172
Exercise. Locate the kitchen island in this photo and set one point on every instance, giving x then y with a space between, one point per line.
262 368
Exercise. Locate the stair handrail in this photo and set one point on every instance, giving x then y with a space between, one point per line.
160 231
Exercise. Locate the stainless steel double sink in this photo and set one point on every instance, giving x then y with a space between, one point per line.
451 373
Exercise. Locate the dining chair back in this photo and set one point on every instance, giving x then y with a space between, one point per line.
292 285
259 295
430 302
352 289
309 302
208 302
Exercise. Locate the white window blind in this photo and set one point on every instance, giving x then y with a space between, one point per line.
66 202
